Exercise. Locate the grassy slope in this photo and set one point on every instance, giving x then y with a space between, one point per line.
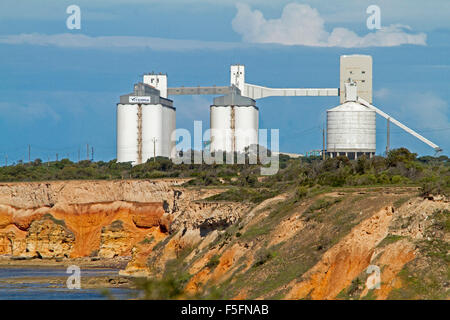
266 269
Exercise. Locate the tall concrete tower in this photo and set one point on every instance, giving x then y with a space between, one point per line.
237 76
358 68
158 81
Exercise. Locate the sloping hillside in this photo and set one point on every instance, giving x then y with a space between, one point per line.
317 248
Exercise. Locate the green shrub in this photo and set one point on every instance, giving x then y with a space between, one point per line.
262 256
322 203
396 179
169 287
400 155
434 187
147 240
383 178
301 193
213 262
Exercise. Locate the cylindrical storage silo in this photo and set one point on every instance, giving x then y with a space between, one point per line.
246 127
145 122
173 136
152 131
168 128
221 133
351 130
127 133
234 123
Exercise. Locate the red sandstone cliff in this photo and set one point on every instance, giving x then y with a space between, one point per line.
92 218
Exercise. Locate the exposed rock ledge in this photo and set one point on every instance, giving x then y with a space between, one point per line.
101 218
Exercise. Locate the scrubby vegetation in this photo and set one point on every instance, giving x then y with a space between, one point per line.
400 167
311 176
307 176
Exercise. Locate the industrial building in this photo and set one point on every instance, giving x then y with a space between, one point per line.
146 117
145 122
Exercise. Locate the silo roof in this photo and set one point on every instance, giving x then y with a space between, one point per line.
234 99
350 106
356 55
141 90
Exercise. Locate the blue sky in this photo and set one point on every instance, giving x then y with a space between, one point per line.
59 87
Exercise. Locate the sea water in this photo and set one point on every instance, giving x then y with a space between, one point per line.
46 290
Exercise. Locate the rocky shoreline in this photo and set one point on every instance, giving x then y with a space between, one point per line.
99 282
83 262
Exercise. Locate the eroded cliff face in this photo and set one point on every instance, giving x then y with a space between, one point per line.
191 225
39 194
98 218
77 230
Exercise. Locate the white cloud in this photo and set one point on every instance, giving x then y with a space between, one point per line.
383 93
67 40
301 24
298 25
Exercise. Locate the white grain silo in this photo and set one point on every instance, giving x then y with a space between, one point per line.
246 126
127 132
169 120
220 121
152 130
351 128
234 123
145 122
158 124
